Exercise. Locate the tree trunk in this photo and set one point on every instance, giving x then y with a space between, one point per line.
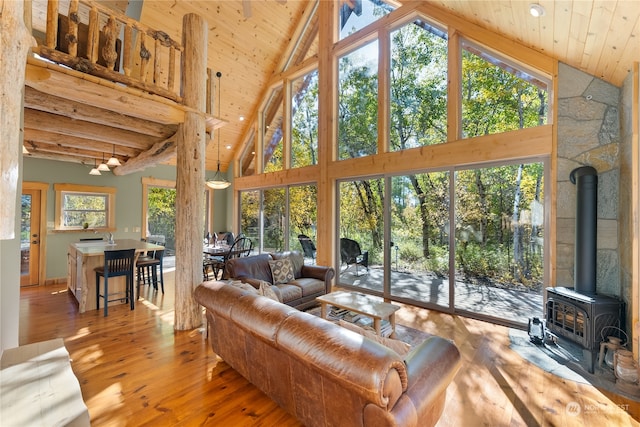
517 228
190 174
15 42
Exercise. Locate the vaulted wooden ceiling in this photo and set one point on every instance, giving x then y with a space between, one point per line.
250 43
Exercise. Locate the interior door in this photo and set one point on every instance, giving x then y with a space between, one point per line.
30 238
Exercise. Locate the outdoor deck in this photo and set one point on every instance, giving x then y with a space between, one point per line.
513 305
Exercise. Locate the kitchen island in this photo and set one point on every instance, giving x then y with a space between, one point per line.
83 257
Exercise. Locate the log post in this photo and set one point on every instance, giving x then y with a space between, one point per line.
15 42
190 174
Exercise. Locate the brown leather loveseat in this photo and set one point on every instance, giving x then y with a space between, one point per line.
309 281
321 373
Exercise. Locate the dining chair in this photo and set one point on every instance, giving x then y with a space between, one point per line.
116 263
148 271
242 246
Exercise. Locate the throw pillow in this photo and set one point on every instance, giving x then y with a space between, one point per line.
282 271
400 347
266 291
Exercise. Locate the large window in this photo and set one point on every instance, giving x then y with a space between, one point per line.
418 86
273 218
497 96
304 120
357 14
272 117
84 207
358 103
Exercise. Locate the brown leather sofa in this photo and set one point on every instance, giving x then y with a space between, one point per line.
321 373
310 282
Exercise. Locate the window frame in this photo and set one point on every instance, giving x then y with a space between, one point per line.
62 189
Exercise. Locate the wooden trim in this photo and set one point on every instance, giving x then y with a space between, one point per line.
59 188
551 189
148 181
635 210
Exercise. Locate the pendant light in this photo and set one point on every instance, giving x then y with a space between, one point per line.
102 167
113 161
95 170
218 182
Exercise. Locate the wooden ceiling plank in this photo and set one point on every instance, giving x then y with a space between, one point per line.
37 100
578 31
593 48
561 26
546 42
623 41
66 126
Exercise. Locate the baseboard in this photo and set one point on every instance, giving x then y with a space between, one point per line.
55 281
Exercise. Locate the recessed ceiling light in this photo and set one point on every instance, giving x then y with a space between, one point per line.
241 118
228 147
536 10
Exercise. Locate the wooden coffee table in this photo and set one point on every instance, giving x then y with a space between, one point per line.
367 305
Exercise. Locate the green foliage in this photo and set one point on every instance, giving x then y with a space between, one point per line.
304 118
162 214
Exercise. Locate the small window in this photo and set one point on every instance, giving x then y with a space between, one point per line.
84 207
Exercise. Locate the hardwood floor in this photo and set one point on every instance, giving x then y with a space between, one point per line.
134 369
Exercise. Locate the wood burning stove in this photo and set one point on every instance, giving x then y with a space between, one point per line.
579 314
581 318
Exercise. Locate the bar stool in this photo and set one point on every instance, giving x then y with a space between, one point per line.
116 263
148 271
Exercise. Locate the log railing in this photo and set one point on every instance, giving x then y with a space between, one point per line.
94 39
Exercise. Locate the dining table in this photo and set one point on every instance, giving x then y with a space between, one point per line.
83 257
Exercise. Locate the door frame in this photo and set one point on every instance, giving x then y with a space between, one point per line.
42 188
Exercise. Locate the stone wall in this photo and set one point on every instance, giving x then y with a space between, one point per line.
588 126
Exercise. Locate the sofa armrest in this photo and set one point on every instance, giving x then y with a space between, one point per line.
431 366
325 274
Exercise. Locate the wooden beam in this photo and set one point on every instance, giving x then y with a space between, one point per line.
37 100
79 87
190 173
161 152
58 124
36 139
15 42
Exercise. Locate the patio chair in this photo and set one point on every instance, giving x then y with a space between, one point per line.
350 254
308 248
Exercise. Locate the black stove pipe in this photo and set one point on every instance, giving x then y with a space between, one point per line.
586 180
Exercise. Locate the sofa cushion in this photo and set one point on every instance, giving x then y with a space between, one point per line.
309 286
287 292
255 267
282 271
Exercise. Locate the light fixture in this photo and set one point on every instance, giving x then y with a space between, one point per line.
536 10
113 161
95 170
102 167
218 182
